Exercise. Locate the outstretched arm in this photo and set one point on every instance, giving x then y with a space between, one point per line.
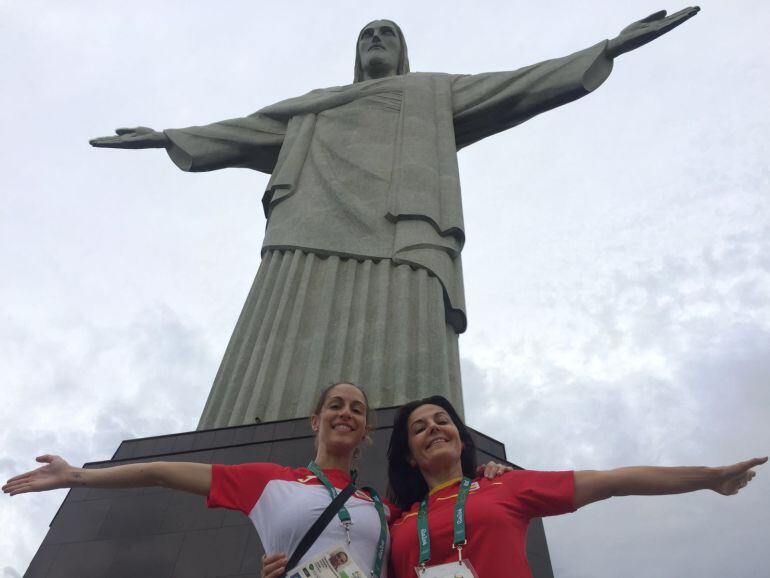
592 486
57 473
648 29
140 137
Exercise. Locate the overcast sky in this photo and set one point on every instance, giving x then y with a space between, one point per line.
617 264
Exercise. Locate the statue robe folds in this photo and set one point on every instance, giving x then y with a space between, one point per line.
361 276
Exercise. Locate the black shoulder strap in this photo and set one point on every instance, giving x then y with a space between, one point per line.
318 526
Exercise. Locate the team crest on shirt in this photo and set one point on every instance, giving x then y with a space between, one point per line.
361 495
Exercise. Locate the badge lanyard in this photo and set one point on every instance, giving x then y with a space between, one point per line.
459 524
344 516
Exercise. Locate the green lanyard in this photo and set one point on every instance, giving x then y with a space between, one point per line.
459 523
344 516
379 555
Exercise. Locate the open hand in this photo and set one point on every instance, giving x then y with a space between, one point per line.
730 479
492 470
648 29
274 565
140 137
52 476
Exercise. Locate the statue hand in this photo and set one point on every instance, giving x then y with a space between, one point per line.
140 137
53 475
730 479
648 29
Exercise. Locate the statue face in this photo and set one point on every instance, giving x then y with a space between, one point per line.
379 49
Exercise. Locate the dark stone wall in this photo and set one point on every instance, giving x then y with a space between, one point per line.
160 533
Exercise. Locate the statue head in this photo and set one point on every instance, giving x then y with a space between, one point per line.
380 51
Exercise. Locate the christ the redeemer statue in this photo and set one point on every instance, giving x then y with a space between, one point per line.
361 278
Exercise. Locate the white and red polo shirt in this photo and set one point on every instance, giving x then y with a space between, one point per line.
283 503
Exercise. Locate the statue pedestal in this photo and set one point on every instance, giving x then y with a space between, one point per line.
160 533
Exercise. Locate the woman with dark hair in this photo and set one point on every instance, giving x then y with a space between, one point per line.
450 517
406 483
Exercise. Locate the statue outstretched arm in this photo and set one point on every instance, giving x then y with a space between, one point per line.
140 137
648 29
488 103
249 142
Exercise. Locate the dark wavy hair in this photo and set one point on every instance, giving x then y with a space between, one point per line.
403 58
405 482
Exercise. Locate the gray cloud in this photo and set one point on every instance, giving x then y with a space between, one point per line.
90 389
706 403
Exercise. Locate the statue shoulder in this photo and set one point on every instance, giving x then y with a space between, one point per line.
317 91
430 75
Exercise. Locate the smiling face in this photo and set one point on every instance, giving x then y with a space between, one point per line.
379 49
417 460
341 420
434 441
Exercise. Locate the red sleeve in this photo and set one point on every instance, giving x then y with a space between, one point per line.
239 487
538 494
394 512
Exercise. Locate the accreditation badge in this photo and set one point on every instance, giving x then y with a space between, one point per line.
459 569
334 563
